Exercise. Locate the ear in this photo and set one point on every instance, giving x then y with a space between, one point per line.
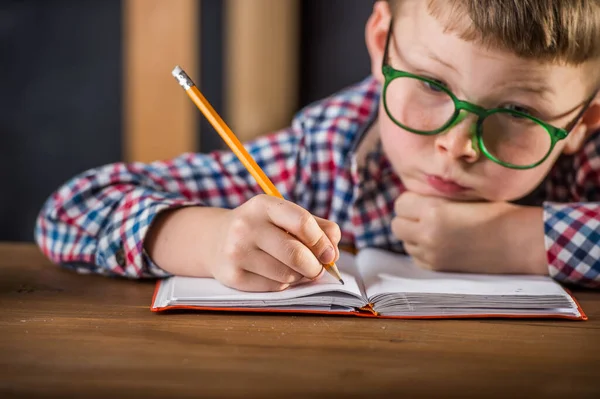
375 34
590 123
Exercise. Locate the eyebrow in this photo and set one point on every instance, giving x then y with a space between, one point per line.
541 90
398 53
434 57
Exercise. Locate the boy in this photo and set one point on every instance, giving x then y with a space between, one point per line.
473 147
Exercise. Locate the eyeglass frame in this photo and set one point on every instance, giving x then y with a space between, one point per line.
556 133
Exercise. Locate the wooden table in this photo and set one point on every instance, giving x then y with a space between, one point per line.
68 335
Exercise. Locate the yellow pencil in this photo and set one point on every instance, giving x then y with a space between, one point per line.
235 145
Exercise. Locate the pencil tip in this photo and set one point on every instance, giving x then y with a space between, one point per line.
342 281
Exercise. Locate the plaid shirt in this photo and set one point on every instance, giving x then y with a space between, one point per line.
97 221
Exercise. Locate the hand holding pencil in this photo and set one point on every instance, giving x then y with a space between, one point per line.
284 233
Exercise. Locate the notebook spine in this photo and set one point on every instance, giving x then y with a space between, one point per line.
368 308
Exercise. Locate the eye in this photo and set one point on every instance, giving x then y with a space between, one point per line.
435 87
518 108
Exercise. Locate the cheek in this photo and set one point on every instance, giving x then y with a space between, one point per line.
517 183
401 147
503 184
410 154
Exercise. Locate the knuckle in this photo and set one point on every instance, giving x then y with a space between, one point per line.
233 278
285 275
430 221
431 213
435 262
435 267
303 224
300 258
230 251
434 211
249 205
258 199
334 232
295 254
428 242
318 246
426 238
398 203
234 252
239 229
429 236
256 202
280 287
423 265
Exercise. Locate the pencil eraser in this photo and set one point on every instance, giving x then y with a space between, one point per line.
176 71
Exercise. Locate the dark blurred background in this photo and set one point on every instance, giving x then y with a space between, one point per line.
63 78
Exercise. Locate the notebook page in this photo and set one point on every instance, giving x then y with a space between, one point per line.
384 272
206 289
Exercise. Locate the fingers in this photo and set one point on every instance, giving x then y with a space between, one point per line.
247 281
412 249
409 205
417 255
289 251
261 263
406 230
300 223
332 230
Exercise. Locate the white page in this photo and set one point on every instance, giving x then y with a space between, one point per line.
488 312
207 289
384 272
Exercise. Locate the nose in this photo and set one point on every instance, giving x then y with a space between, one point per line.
459 141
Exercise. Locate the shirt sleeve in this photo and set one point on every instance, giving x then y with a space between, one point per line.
572 218
97 221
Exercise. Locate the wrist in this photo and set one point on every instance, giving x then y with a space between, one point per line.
526 249
182 241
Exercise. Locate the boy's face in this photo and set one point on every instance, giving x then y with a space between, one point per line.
447 164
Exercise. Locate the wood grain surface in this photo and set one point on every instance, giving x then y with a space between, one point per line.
69 335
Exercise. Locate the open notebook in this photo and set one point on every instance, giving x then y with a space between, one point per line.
383 284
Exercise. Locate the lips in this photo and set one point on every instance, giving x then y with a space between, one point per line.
445 186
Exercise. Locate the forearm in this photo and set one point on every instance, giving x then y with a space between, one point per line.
97 221
524 231
182 247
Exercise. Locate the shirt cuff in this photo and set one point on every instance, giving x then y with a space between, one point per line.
121 248
572 241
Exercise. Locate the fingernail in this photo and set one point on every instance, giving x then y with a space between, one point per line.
327 255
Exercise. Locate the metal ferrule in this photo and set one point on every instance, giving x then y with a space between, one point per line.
182 77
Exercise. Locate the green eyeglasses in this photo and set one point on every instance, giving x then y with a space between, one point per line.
509 137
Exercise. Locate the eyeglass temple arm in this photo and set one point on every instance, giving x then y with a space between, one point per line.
568 128
586 105
385 60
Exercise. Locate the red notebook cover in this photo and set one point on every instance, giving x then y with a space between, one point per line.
366 311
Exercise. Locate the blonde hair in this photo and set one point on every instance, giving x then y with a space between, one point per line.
561 31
